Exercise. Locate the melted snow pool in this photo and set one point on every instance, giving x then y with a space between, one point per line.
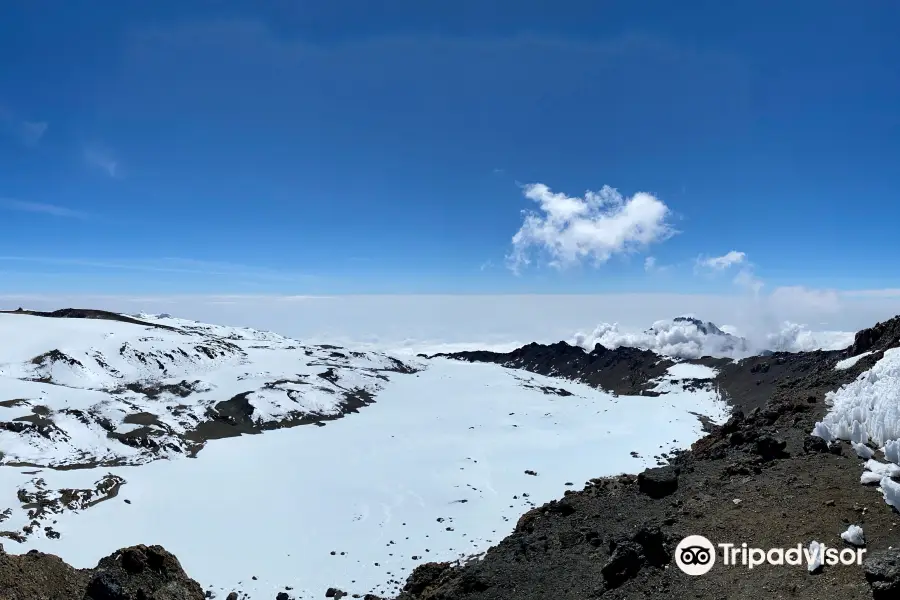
434 470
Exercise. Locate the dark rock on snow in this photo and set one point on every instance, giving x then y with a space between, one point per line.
621 371
658 482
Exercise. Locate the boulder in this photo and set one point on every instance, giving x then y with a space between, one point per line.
882 571
813 444
658 482
141 572
624 563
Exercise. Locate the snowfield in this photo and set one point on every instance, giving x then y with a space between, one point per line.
436 461
82 392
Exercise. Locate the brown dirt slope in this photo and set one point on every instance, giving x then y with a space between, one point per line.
135 573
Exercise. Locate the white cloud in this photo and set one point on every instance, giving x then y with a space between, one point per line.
819 300
746 277
103 159
720 263
748 280
39 207
32 132
571 230
884 293
649 263
28 132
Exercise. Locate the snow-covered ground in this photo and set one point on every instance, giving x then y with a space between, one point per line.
79 391
439 467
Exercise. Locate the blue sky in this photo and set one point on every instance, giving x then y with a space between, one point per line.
342 147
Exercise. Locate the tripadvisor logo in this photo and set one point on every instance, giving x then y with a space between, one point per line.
696 555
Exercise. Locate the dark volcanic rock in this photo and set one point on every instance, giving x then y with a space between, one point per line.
880 337
425 576
883 574
135 573
622 371
768 448
87 313
813 443
39 575
624 563
139 573
658 482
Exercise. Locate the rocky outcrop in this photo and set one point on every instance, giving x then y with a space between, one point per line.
880 337
621 371
883 574
87 313
659 482
135 573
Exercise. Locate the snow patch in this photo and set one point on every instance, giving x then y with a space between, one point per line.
814 556
689 371
890 489
854 535
863 451
849 362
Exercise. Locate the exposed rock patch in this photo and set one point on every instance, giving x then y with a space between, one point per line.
621 371
86 313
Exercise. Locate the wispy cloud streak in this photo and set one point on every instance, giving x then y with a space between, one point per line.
42 208
169 265
28 133
103 159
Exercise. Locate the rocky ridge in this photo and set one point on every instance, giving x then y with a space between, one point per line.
626 371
